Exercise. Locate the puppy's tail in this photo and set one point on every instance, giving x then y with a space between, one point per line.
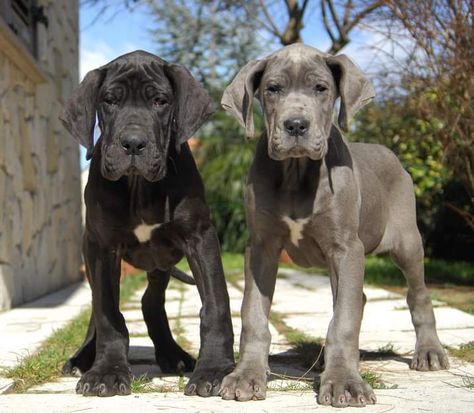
182 276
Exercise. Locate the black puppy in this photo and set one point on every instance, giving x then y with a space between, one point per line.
145 204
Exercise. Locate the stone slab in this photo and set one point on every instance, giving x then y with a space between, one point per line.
5 385
395 400
27 326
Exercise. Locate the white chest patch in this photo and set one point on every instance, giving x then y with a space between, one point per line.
143 231
296 228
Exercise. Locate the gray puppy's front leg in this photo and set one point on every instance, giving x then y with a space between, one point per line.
341 384
249 379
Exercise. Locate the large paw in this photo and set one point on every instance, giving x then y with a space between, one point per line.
245 385
342 389
105 381
431 357
206 381
175 361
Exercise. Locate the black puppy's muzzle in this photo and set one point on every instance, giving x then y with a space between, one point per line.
134 153
133 143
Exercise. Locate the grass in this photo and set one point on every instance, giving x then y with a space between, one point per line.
464 352
308 348
45 364
375 380
468 382
233 264
381 271
387 350
143 384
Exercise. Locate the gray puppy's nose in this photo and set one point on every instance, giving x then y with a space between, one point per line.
133 143
296 126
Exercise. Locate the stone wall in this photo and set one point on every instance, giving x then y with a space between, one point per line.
40 201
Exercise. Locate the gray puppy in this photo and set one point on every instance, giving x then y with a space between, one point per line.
328 203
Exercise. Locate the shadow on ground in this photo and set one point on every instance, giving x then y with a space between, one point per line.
304 360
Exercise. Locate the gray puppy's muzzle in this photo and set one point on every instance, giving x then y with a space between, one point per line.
296 137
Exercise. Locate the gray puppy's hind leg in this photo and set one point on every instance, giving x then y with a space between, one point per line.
169 355
408 256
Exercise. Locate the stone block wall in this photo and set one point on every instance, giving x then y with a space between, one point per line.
40 199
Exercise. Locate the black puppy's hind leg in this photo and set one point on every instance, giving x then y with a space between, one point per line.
84 357
169 355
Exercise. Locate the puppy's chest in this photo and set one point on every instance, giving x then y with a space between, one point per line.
296 228
143 232
148 222
294 216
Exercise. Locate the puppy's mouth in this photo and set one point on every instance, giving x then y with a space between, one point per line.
151 174
115 165
281 150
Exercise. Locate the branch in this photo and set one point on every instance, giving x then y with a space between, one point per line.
466 216
347 12
335 18
273 28
364 13
326 23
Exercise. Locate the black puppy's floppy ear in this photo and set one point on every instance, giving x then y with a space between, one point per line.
193 105
355 89
238 96
78 113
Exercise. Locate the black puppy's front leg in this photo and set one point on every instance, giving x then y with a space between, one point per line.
216 357
110 374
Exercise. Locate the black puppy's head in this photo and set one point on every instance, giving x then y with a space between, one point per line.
143 105
297 87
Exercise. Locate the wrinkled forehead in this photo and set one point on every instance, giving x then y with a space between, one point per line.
297 66
133 74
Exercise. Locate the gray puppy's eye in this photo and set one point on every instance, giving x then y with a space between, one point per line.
274 88
320 88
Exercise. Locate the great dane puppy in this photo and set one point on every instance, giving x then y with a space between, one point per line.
145 204
328 203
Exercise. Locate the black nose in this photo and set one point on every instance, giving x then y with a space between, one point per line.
296 126
133 144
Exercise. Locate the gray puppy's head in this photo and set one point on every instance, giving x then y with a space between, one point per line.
297 87
143 104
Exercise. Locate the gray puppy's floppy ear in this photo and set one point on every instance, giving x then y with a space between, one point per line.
238 96
78 113
193 105
355 89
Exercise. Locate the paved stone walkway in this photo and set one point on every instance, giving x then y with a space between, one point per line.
302 303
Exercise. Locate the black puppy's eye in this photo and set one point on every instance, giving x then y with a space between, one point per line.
160 101
320 88
110 100
274 88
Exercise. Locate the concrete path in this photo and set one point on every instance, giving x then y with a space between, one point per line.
302 304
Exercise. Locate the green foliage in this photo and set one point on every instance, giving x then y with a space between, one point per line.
224 157
211 38
414 142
